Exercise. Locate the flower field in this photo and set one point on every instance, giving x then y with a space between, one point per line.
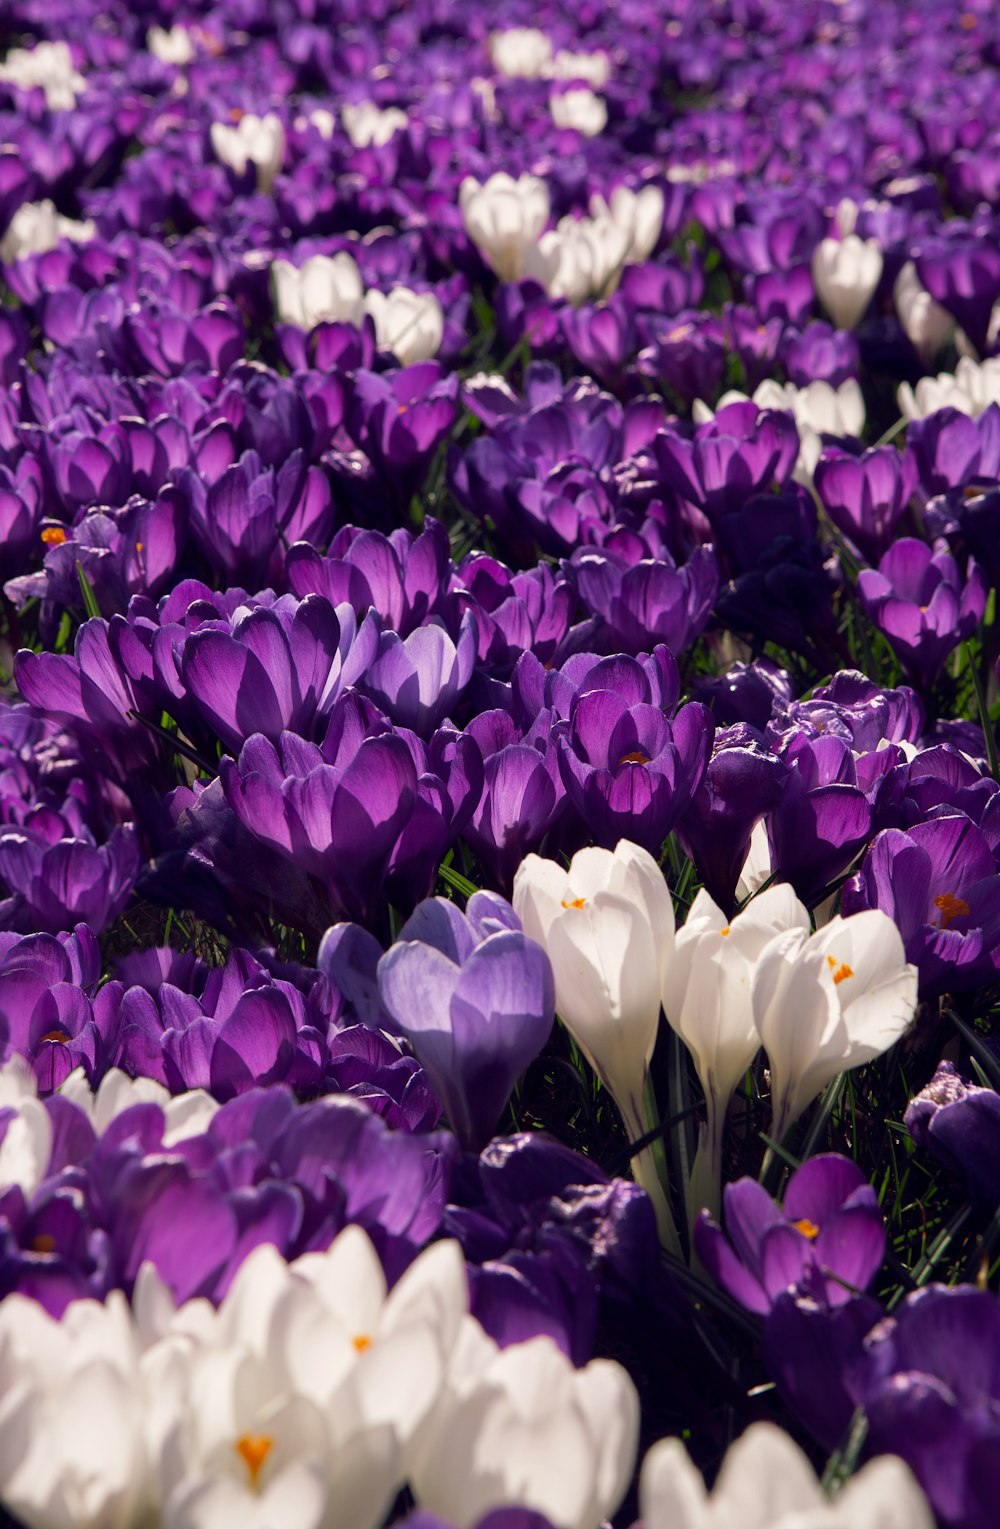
499 802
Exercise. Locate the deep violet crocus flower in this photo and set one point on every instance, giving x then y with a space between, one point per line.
475 999
938 881
826 1240
866 496
960 1123
931 1393
338 823
920 600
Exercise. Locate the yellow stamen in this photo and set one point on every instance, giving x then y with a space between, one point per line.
952 907
807 1228
576 902
728 930
636 757
841 972
58 1036
53 536
254 1448
361 1341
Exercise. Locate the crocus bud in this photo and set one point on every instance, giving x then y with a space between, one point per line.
608 927
411 324
258 141
503 218
846 273
579 109
325 289
707 1000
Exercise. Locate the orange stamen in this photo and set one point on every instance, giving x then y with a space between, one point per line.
576 902
807 1228
53 536
952 907
253 1449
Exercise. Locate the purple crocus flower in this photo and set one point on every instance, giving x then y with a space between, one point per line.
866 496
418 679
56 880
920 600
337 822
650 600
826 1240
964 277
825 813
404 577
475 999
275 668
960 1123
939 882
738 453
629 771
742 783
931 1392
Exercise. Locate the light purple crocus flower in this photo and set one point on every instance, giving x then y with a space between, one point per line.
476 1000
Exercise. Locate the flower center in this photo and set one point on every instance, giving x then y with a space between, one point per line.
951 907
841 970
58 1037
53 536
728 930
636 757
43 1243
362 1341
807 1228
253 1449
575 902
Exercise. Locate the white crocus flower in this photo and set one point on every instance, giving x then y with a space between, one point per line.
846 272
173 47
580 258
607 925
521 1427
827 1002
366 124
971 389
926 324
72 1452
36 228
766 1482
49 67
818 409
26 1143
327 1322
638 214
410 324
504 217
581 110
706 998
595 68
185 1115
520 53
259 141
325 289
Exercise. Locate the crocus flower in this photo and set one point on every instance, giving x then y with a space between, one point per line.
938 882
607 925
258 141
325 289
866 496
503 218
960 1123
827 1002
766 1482
920 600
846 273
519 1426
930 1392
475 999
707 1000
827 1241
